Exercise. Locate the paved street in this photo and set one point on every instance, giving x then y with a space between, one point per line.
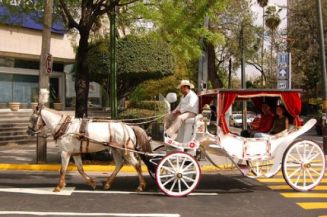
221 195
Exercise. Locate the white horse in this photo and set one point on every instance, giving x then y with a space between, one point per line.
122 138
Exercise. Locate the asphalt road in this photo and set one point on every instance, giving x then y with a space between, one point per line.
219 195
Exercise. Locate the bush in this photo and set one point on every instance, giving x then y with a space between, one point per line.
152 88
136 113
149 105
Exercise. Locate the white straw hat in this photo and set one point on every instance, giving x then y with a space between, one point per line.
185 83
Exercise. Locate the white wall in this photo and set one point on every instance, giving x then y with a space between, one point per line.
23 42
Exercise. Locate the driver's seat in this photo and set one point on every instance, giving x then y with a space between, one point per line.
187 130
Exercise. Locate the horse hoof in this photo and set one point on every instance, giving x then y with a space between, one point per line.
106 186
57 189
140 189
93 184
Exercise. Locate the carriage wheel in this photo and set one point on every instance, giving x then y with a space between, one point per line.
160 148
303 165
178 174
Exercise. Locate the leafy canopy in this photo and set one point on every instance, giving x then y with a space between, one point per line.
138 59
181 23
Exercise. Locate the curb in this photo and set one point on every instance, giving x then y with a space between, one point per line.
87 168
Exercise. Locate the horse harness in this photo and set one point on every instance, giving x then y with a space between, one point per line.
62 127
84 138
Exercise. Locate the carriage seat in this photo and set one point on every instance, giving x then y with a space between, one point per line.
186 131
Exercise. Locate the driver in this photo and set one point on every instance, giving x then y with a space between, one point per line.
187 108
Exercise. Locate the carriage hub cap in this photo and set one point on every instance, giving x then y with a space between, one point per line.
306 165
179 175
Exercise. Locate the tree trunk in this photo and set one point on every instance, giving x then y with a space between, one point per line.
82 76
212 71
263 77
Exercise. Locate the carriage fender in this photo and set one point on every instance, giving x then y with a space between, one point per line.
286 142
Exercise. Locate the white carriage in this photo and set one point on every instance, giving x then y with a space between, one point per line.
302 161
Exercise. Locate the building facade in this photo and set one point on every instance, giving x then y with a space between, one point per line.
20 49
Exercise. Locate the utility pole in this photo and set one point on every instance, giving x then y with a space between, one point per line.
324 74
113 68
41 147
243 85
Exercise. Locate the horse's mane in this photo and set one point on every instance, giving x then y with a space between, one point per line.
44 96
142 139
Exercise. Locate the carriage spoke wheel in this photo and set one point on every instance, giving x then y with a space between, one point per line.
303 165
178 174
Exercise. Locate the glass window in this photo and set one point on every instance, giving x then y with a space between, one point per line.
24 88
26 64
58 67
5 88
7 62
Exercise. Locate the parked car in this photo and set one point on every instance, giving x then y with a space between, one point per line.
236 119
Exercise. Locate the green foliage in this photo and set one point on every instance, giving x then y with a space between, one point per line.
138 59
272 17
238 13
181 23
147 104
304 46
150 89
137 113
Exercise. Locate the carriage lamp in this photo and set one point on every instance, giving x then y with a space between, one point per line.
206 113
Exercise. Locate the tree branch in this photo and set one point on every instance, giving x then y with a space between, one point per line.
127 3
71 23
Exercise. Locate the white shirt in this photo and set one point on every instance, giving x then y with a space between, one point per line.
189 103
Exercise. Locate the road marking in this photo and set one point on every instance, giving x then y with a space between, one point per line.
43 191
281 174
140 193
313 205
70 190
304 195
267 180
88 214
287 187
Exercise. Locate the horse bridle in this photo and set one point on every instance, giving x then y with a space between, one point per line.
36 121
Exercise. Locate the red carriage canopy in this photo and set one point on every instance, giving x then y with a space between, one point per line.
290 98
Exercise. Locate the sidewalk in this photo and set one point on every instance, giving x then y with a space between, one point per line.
23 157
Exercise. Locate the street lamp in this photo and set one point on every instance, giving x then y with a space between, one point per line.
324 74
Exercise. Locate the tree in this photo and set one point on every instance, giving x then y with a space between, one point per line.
263 4
83 16
181 24
272 21
139 58
236 14
303 43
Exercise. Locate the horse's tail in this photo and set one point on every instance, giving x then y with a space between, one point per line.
143 142
142 139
